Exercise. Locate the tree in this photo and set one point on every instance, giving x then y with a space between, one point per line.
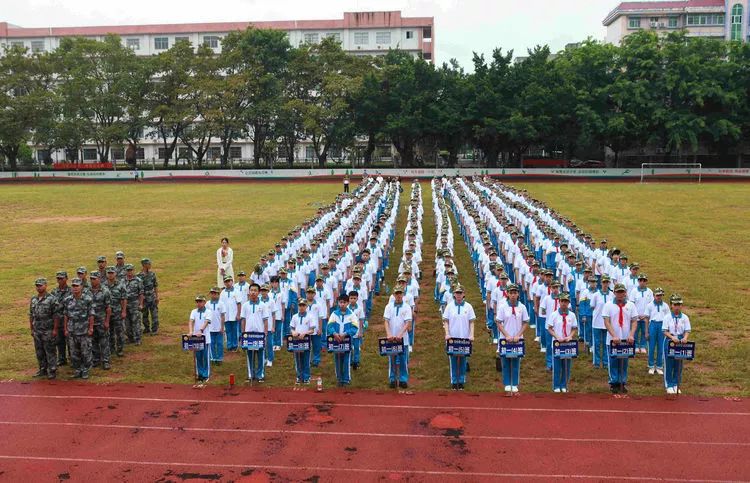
452 121
201 95
138 86
369 109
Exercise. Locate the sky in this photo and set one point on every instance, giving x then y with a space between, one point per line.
461 26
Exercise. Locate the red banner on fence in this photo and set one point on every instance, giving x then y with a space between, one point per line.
76 166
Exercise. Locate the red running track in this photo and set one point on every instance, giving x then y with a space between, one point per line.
59 430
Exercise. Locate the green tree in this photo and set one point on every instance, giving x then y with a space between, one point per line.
202 96
138 86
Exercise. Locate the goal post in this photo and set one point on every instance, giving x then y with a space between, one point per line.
671 171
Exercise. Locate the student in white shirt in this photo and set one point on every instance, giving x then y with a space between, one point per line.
216 327
200 318
598 301
563 327
397 318
641 296
656 313
620 319
676 329
359 312
316 307
512 320
279 302
230 298
303 324
458 322
273 309
548 306
254 318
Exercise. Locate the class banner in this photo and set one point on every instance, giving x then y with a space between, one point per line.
565 350
623 350
253 341
193 343
513 350
334 346
681 351
297 345
390 347
458 347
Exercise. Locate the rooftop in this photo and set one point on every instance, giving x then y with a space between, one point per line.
664 6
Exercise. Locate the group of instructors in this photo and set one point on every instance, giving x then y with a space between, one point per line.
93 317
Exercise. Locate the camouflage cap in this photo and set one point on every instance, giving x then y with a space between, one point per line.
503 276
40 281
200 298
101 259
310 290
319 277
94 276
302 303
61 274
675 299
511 288
228 278
282 271
265 287
620 287
398 290
145 261
401 280
564 296
214 290
76 282
241 274
606 278
592 279
129 266
111 269
642 276
119 255
81 270
357 275
458 288
587 269
658 291
554 283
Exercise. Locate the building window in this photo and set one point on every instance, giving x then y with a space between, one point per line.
654 19
133 44
409 34
89 154
37 45
695 20
211 41
17 43
181 39
161 43
214 152
673 22
737 11
335 36
383 38
43 155
309 152
184 153
235 152
311 38
427 56
634 22
117 153
427 33
140 153
361 38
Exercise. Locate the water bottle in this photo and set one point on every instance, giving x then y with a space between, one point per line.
320 384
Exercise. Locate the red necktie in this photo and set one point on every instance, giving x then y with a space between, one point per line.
504 295
621 321
513 309
534 281
555 304
565 324
549 291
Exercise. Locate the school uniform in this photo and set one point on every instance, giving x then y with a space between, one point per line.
230 298
641 299
562 324
342 323
678 326
585 315
599 337
302 324
359 312
218 311
254 317
512 318
459 318
291 291
397 316
199 318
273 307
548 306
657 313
317 309
278 327
620 317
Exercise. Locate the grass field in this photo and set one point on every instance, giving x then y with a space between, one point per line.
688 238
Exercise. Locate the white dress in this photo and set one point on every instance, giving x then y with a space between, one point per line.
225 263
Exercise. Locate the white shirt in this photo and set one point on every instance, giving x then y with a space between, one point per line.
242 290
217 310
398 317
676 326
199 318
657 313
629 313
229 299
225 262
459 318
598 301
555 321
641 299
255 316
306 323
512 323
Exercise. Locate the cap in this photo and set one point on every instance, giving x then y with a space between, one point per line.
659 291
101 259
40 281
319 277
512 288
61 274
634 265
310 290
129 266
302 302
242 274
76 281
228 278
81 270
619 287
398 290
605 278
592 279
458 289
200 298
554 283
94 275
564 296
642 276
119 255
283 270
111 269
675 299
145 261
265 287
214 290
503 276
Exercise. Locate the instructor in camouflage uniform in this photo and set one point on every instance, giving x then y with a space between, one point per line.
120 266
60 293
118 304
101 263
134 294
79 327
44 329
102 302
151 298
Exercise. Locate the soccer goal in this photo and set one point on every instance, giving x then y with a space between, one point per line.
667 171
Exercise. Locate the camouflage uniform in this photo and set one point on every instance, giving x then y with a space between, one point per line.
78 311
133 291
150 284
120 269
100 341
61 342
116 323
42 312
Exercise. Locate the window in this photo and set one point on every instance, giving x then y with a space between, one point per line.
311 38
162 152
736 28
335 36
17 43
214 152
161 43
427 56
361 38
235 152
409 34
634 22
673 22
184 153
211 41
706 19
427 33
140 153
181 39
654 19
37 45
43 155
89 154
334 153
283 152
309 152
117 153
383 38
134 44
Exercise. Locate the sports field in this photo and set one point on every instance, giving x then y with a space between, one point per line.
690 239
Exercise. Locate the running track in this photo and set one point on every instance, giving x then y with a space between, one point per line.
120 432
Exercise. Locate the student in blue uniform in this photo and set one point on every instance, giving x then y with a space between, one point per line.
397 318
563 327
200 319
458 322
303 324
341 323
676 329
656 312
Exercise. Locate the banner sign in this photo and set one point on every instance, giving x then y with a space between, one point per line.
681 351
511 349
389 347
458 347
565 350
253 341
297 345
193 342
338 347
623 350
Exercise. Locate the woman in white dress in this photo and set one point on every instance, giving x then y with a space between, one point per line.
224 258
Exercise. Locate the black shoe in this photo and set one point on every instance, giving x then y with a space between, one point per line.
392 385
454 387
460 387
52 375
341 384
403 385
623 389
40 373
106 366
614 389
120 354
85 375
355 366
137 342
468 367
146 331
62 362
77 375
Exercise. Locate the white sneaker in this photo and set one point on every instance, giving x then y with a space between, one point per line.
660 371
532 326
536 339
557 390
591 350
411 349
494 341
670 390
269 364
565 389
508 388
651 371
679 391
514 388
276 348
544 349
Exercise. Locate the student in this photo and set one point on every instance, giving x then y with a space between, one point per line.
600 299
656 313
316 308
549 305
359 313
458 322
279 301
216 326
254 318
200 318
676 329
303 324
512 320
232 306
562 326
273 309
397 318
585 313
620 319
342 323
641 296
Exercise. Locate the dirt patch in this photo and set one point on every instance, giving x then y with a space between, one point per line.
69 219
721 340
447 422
